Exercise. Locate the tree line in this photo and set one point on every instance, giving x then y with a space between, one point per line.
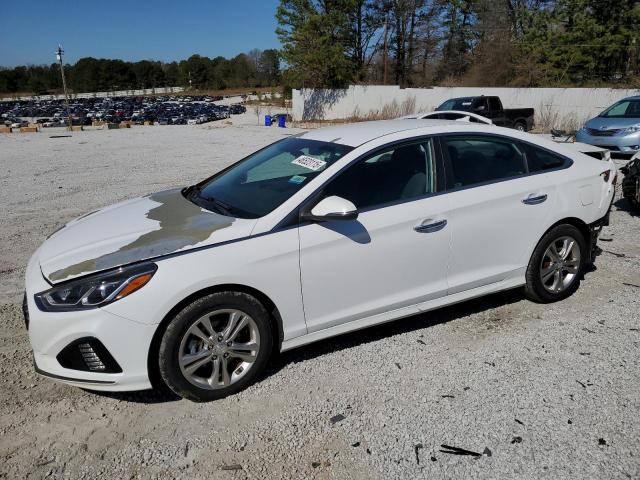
333 43
532 43
253 69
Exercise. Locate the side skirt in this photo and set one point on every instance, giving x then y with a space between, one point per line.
401 313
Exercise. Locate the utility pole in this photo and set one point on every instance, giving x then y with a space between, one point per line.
385 54
59 53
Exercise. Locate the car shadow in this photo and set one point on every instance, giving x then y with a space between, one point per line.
353 230
344 342
622 204
157 395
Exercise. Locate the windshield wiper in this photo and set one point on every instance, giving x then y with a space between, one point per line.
218 205
192 194
190 191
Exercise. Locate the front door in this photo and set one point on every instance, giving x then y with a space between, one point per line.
394 255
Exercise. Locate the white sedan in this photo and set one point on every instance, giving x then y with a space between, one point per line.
319 234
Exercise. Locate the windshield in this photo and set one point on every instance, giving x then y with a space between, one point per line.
463 104
264 180
623 109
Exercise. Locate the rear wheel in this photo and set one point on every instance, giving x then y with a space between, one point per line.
216 346
520 126
557 264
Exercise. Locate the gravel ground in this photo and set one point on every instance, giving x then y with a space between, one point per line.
545 391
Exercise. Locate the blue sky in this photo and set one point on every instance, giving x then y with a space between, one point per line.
133 30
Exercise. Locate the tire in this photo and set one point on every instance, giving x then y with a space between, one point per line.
193 365
520 126
565 273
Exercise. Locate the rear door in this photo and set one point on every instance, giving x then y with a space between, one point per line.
497 209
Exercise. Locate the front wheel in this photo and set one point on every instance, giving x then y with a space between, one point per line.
216 346
557 264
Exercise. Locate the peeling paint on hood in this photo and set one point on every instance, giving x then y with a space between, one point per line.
147 227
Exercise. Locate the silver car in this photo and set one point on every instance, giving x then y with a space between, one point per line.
616 129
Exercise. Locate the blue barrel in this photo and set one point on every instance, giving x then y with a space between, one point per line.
267 120
281 121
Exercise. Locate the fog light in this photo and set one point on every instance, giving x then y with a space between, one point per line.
88 354
90 358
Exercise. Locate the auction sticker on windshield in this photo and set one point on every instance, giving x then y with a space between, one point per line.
309 162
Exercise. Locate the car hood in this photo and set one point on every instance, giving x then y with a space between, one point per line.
138 229
611 123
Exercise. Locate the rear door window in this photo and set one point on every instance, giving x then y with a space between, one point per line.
475 160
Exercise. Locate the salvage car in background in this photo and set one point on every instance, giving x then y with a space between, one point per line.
177 110
319 234
491 108
616 129
568 138
631 181
18 122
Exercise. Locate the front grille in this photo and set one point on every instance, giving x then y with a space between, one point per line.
89 355
25 310
603 133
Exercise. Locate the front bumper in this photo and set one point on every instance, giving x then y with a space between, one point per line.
626 144
50 333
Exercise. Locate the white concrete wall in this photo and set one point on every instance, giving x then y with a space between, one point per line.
552 105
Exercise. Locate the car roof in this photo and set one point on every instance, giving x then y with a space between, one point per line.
356 134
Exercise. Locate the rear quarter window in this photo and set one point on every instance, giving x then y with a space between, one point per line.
539 159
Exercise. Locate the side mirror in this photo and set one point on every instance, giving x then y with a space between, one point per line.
329 209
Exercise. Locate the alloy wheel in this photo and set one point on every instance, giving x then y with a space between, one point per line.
560 264
219 348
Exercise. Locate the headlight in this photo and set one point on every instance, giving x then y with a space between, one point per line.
96 290
632 129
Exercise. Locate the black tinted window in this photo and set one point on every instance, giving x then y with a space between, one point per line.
474 160
539 159
399 173
494 104
457 104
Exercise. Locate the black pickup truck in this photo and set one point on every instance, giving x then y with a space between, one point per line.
491 108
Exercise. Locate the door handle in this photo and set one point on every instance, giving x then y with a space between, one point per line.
534 200
430 227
